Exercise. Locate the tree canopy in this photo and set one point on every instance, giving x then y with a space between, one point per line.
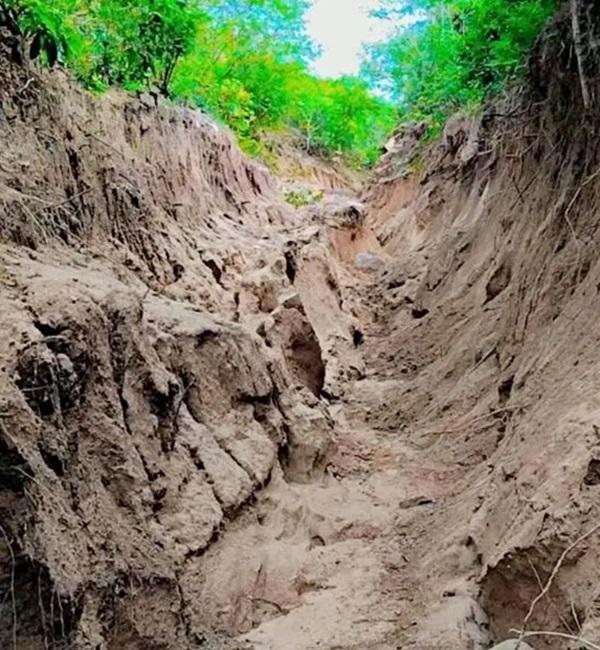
454 53
245 61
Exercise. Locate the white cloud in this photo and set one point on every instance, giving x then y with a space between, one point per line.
341 28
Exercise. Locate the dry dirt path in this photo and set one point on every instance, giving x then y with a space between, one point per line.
337 564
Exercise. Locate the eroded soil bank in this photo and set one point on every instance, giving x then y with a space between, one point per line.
367 424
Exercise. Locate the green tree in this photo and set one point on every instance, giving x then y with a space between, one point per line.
245 61
341 117
456 53
277 25
47 29
137 43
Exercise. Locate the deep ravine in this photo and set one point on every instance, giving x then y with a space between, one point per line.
370 423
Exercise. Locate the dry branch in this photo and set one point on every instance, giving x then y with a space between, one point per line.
523 634
579 53
550 599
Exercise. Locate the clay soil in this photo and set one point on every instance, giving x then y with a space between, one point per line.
367 424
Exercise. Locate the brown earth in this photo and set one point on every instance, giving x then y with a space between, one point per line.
367 424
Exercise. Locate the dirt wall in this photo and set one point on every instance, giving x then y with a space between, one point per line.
489 316
158 363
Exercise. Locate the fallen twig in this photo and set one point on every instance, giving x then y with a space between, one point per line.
575 616
106 144
484 358
550 599
26 86
553 575
68 200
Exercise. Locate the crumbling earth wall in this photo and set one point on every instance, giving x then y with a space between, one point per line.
489 308
158 363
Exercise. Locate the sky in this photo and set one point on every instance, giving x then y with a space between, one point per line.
340 28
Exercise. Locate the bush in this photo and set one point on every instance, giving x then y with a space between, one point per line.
304 198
